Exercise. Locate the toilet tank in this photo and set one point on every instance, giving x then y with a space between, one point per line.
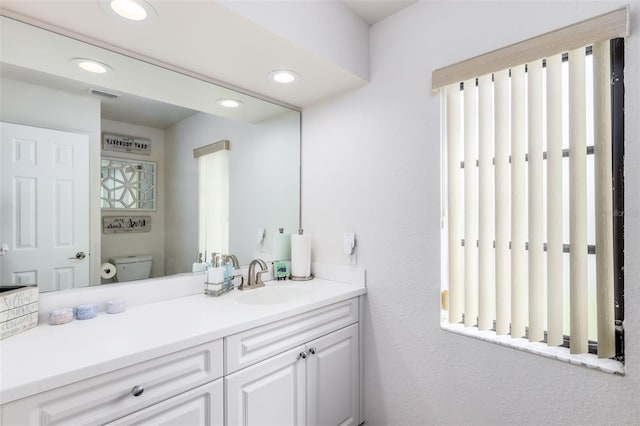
130 268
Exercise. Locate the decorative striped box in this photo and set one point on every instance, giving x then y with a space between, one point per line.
18 309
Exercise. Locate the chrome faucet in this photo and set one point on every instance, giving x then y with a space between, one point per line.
254 280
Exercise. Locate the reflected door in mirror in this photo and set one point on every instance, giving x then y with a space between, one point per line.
44 216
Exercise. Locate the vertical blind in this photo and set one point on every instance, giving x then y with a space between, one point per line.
507 182
213 198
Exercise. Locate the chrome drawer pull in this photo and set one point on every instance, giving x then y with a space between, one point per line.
302 355
312 350
137 390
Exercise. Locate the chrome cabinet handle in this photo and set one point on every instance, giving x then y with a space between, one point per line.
302 355
79 255
137 390
312 350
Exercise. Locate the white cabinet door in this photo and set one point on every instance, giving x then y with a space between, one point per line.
270 393
202 406
333 385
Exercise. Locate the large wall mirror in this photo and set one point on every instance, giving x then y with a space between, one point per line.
54 120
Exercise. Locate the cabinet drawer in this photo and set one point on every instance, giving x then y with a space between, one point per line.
109 396
200 406
248 347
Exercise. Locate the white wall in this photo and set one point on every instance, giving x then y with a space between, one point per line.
263 157
371 164
38 106
152 242
264 186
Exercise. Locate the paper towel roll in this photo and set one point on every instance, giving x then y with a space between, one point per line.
300 256
107 270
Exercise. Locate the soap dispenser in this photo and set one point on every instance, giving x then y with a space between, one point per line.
228 273
215 273
199 265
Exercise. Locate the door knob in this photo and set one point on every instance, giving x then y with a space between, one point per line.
312 350
4 249
302 355
79 255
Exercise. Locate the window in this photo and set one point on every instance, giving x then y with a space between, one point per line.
127 184
533 226
213 198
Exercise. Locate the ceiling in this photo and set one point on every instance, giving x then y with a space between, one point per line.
209 40
374 11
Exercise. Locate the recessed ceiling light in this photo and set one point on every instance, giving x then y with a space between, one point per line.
91 65
133 10
229 103
283 76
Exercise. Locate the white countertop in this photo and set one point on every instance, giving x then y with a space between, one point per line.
50 356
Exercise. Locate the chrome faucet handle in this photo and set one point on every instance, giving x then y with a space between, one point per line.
259 281
241 285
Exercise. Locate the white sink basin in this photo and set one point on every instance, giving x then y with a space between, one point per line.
272 295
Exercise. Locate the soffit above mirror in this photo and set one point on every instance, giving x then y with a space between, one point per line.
208 39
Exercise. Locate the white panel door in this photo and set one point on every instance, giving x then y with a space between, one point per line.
44 218
270 393
333 384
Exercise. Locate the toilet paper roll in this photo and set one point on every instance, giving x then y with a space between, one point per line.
300 256
107 270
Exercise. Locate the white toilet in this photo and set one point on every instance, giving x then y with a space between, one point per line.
130 268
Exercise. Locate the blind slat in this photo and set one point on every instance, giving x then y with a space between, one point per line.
519 306
470 204
502 202
454 204
554 202
578 340
536 241
604 200
486 292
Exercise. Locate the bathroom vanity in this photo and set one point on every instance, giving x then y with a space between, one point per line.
288 353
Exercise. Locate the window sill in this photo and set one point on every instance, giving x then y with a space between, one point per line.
555 352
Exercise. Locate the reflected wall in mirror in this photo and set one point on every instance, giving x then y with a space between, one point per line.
41 90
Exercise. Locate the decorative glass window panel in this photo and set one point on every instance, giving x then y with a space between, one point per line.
127 184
